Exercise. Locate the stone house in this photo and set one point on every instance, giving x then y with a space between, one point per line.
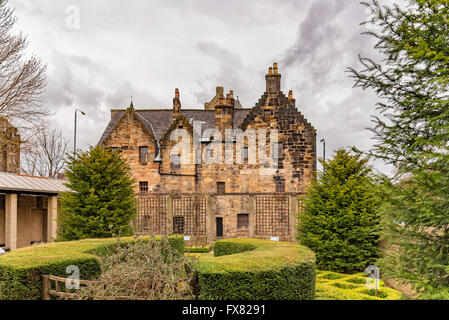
230 181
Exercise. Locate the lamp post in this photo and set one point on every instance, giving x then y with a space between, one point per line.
76 118
324 148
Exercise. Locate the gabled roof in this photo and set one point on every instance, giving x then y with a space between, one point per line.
10 182
161 120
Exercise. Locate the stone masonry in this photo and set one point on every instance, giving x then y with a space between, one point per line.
239 199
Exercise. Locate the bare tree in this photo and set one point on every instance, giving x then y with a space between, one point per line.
22 77
46 155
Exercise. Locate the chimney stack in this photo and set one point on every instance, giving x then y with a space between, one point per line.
291 100
273 79
176 104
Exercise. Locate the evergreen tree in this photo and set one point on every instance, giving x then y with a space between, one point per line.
412 82
102 202
340 220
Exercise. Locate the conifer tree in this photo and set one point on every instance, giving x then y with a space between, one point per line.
101 203
411 80
340 222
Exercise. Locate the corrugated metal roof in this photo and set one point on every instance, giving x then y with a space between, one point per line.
17 182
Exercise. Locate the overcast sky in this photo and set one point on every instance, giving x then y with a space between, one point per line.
147 48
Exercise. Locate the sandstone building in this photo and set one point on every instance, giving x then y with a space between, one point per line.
9 147
240 193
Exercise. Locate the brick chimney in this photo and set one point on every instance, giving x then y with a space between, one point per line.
176 104
273 79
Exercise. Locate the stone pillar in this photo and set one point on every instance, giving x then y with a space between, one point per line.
252 216
52 213
169 215
293 218
11 221
210 219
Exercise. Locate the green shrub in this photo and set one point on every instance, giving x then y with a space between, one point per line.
101 204
267 270
199 249
225 248
21 270
340 222
336 286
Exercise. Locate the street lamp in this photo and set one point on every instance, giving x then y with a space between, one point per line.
74 139
323 141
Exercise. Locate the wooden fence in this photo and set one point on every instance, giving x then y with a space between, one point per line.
55 287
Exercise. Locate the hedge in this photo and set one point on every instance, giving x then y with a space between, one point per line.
268 270
205 249
225 248
21 270
336 286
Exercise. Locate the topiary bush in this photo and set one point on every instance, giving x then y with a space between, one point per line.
267 270
336 286
340 220
21 270
225 248
101 203
199 249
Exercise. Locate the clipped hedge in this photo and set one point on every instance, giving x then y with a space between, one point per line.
21 270
205 249
336 286
226 248
267 270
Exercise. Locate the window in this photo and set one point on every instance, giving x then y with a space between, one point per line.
221 187
277 151
143 186
175 161
178 225
242 221
245 153
280 185
143 154
114 149
2 202
39 203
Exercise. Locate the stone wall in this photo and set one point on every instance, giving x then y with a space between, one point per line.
269 215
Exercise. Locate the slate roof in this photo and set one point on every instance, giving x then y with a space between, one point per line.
158 121
22 183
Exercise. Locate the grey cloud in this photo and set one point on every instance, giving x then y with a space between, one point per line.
146 48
